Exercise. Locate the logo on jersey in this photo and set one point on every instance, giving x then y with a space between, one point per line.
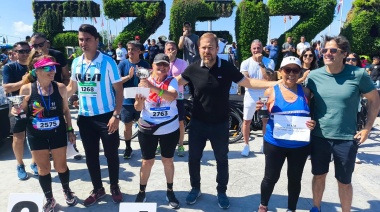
52 106
88 77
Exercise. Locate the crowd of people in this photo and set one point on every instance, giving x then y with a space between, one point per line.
305 92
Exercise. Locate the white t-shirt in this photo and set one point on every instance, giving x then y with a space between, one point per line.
302 46
253 69
164 111
120 53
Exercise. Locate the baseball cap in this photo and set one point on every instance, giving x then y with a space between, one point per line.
290 60
161 58
186 22
46 61
137 37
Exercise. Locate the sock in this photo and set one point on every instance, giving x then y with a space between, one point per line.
45 182
127 144
65 178
170 186
142 188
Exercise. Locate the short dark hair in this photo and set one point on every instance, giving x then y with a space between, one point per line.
273 40
136 44
27 37
340 41
187 22
21 43
39 35
90 29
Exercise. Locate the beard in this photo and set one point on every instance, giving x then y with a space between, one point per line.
209 60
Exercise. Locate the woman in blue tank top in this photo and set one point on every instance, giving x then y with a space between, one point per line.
287 99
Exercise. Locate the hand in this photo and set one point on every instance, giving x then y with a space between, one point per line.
131 72
16 110
259 105
140 98
362 135
185 33
311 124
305 74
258 57
172 55
113 125
145 83
72 137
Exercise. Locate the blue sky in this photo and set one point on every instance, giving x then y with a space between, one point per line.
16 21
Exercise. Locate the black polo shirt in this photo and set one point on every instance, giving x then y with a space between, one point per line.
211 89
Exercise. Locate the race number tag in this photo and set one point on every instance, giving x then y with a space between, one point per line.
46 123
88 89
181 95
159 112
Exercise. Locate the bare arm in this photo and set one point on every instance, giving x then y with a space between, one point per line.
65 75
11 87
181 80
169 95
181 42
72 87
255 83
119 96
66 110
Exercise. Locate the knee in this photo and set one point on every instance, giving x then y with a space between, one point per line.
60 168
19 137
344 185
44 169
320 178
247 123
167 161
147 163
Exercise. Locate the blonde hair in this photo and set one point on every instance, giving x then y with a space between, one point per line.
211 36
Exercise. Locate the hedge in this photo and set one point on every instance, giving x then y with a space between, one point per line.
362 27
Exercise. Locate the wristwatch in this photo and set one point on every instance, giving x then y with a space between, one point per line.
116 116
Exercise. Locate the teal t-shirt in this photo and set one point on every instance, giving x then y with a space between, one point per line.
336 100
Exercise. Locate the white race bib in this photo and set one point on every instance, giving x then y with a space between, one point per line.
159 112
88 89
46 123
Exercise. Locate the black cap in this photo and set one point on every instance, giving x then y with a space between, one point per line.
186 22
161 58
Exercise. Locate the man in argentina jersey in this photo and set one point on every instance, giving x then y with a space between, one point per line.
96 78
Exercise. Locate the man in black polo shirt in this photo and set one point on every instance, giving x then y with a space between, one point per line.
212 78
40 43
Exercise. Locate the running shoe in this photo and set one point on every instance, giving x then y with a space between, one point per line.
94 197
181 151
141 197
117 196
223 201
70 198
357 160
49 205
245 151
173 201
158 150
128 153
193 196
21 173
314 209
34 168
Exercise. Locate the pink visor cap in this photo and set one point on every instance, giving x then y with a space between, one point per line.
45 62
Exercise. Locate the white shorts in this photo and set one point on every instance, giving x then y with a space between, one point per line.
249 105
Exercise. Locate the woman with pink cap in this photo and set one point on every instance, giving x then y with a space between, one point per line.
48 127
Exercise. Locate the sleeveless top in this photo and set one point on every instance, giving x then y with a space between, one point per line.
281 107
45 113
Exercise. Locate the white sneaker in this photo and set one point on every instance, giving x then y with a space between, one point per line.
357 160
245 151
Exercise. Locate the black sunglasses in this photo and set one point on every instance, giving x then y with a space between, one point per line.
351 59
307 55
23 51
332 50
288 70
39 44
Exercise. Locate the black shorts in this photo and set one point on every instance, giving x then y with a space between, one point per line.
148 144
128 113
20 125
181 109
52 139
344 152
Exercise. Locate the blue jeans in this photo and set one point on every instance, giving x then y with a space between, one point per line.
199 133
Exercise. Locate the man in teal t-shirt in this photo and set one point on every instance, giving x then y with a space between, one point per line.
337 88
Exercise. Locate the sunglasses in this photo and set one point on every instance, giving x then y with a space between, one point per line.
39 45
23 51
289 70
332 50
351 59
162 64
48 68
308 55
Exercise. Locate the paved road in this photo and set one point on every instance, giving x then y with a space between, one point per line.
244 185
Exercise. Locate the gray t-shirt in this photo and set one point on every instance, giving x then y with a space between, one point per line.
190 49
287 45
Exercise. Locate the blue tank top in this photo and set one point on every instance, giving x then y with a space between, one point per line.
282 107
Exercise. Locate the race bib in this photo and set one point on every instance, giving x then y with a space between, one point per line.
159 112
46 123
88 89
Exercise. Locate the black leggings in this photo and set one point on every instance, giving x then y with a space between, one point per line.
274 159
91 130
